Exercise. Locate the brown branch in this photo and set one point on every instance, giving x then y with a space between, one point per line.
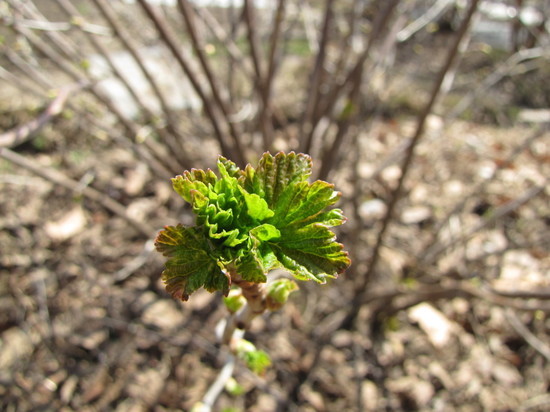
168 38
526 334
171 121
480 188
315 82
22 133
189 17
58 178
362 289
350 82
433 253
266 115
168 138
67 67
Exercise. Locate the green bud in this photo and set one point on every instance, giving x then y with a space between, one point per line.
256 360
234 301
278 292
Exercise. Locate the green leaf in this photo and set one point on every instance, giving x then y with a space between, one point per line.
265 232
257 207
195 179
310 253
275 173
189 265
251 269
301 203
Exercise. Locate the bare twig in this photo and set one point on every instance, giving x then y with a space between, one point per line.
216 388
266 115
437 249
171 121
315 82
189 17
211 109
480 188
526 334
169 138
56 177
22 133
362 288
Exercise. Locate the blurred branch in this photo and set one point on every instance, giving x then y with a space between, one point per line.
526 334
189 17
68 67
217 387
169 138
59 178
481 187
362 289
45 25
436 10
210 108
437 249
22 133
352 83
496 75
131 47
266 115
315 81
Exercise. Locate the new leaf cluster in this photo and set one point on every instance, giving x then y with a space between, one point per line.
252 221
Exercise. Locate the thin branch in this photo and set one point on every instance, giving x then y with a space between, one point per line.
315 82
480 188
169 40
266 115
437 249
127 42
56 177
526 334
189 17
169 138
217 387
58 26
252 37
350 81
496 75
362 290
436 10
22 133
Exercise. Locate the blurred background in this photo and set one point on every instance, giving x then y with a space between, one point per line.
431 117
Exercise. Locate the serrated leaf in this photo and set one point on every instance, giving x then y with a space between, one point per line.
310 253
195 179
190 265
251 269
300 203
275 173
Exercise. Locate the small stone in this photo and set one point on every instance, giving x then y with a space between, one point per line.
416 214
373 209
163 314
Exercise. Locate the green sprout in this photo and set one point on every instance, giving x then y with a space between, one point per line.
249 222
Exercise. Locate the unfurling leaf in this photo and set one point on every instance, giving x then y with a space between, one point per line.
252 221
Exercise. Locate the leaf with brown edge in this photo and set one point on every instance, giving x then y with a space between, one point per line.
190 265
